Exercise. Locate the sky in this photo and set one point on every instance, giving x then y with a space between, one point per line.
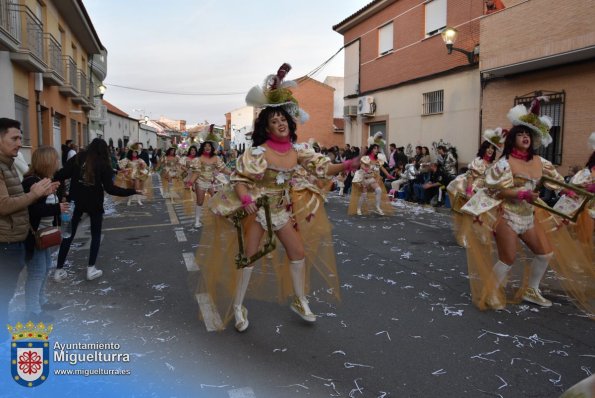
211 47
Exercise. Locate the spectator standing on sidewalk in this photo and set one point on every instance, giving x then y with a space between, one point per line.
14 218
44 212
91 175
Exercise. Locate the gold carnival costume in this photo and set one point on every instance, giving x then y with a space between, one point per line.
488 274
585 223
131 172
457 191
272 172
206 173
293 200
365 177
170 169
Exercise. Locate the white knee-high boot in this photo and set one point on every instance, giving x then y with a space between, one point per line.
197 214
300 303
360 202
240 312
538 268
500 272
378 192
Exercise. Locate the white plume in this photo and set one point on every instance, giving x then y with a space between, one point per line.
515 114
256 97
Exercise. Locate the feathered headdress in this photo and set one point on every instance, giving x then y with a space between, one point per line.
495 137
209 135
377 139
540 125
275 91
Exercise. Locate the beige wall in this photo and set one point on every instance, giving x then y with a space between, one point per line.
401 109
578 82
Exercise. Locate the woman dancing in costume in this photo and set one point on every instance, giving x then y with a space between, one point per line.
205 168
585 225
367 179
268 168
473 180
135 172
169 165
185 164
512 179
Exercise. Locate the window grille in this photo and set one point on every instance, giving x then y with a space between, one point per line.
21 108
433 102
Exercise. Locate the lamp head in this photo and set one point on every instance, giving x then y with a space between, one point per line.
449 36
101 89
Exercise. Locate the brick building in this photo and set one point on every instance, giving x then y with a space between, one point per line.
316 98
553 52
400 80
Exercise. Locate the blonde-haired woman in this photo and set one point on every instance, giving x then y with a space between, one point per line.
44 212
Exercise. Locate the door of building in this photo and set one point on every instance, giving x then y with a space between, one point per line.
57 133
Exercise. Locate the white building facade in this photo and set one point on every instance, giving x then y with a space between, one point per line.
242 124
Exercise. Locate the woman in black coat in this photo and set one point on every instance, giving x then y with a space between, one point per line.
90 174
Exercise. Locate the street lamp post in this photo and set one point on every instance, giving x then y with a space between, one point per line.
449 35
101 89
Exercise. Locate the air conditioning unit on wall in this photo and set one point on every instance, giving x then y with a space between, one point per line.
366 106
350 111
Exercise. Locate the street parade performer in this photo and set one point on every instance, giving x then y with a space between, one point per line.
512 181
367 181
466 184
585 225
134 173
205 169
268 170
169 166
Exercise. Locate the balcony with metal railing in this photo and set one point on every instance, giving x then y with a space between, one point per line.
71 85
54 74
9 27
82 96
98 64
31 52
89 104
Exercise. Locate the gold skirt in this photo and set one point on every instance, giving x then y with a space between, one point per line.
271 279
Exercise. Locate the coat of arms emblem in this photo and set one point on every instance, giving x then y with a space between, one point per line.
30 353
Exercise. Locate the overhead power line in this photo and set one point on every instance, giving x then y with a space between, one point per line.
171 92
321 66
312 73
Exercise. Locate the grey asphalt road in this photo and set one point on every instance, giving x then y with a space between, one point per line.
405 326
